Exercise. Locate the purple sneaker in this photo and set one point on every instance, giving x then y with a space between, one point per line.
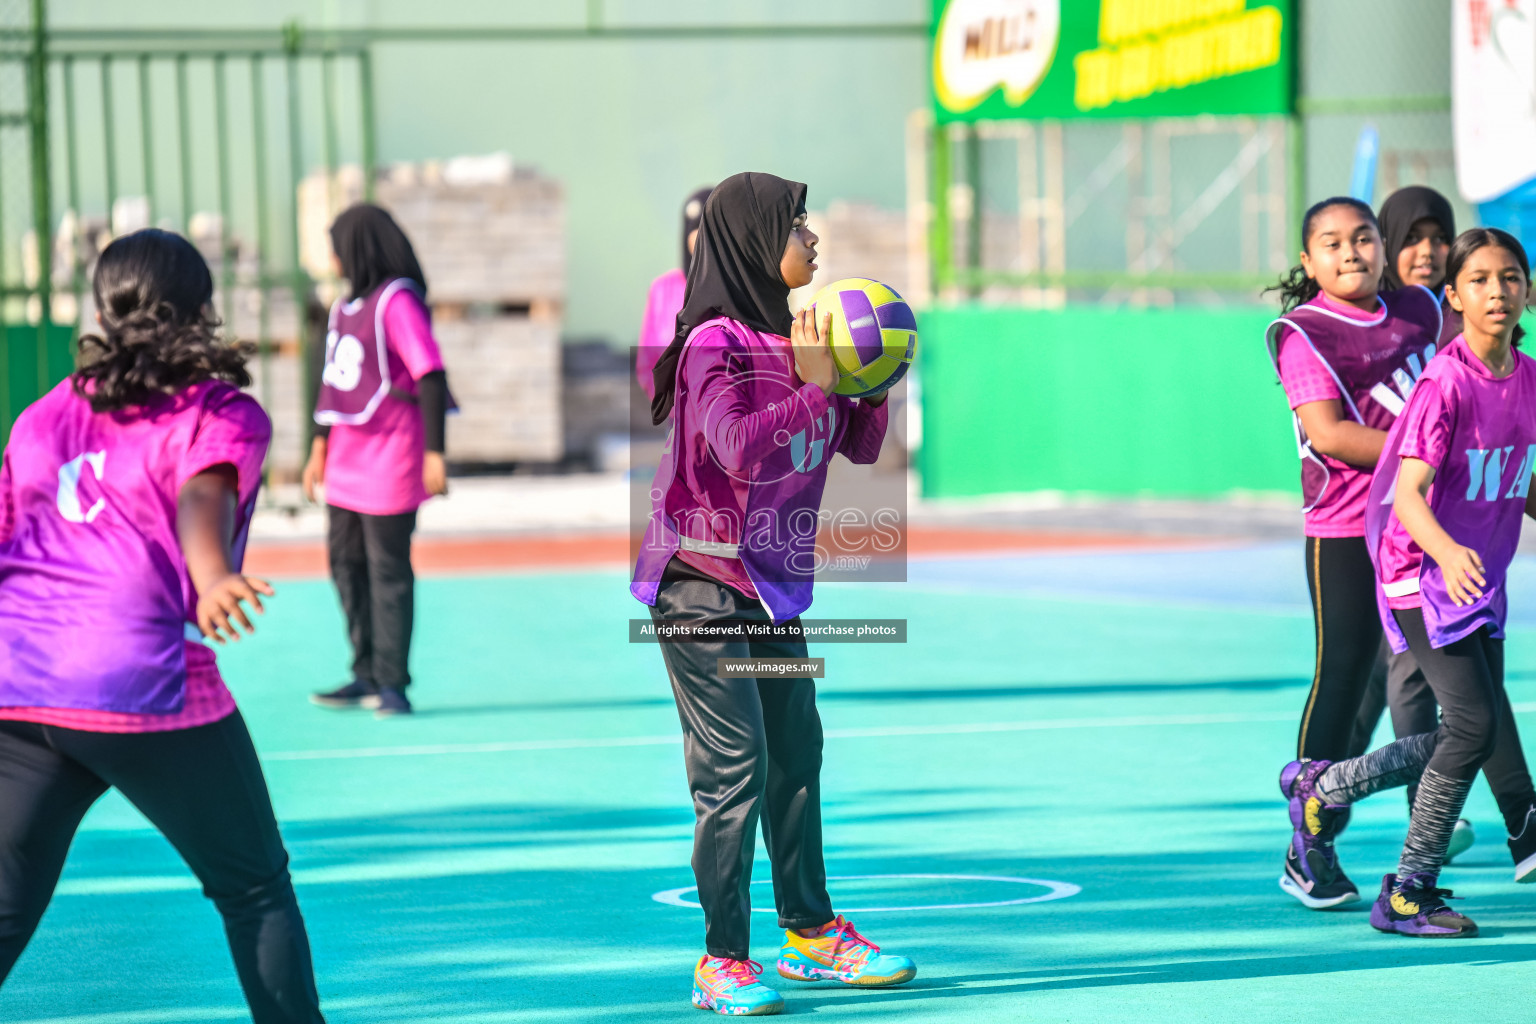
1417 907
1312 872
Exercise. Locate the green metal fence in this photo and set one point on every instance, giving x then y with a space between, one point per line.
156 128
31 357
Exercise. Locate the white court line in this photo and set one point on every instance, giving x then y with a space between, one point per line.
1054 891
955 729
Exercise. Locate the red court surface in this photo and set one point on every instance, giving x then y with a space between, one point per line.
440 554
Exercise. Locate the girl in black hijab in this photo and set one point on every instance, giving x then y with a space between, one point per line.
665 298
1417 226
754 426
736 270
378 449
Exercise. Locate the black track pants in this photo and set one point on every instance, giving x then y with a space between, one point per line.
204 790
752 749
371 565
1343 588
1353 653
1397 685
1468 679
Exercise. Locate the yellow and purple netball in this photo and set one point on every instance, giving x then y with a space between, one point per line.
874 334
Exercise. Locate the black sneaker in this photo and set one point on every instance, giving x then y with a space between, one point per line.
359 693
392 702
1312 872
1523 848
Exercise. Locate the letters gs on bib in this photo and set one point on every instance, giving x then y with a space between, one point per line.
343 361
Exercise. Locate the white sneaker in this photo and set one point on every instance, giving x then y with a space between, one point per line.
1462 839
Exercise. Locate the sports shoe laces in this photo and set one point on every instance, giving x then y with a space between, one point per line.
846 935
742 972
1429 898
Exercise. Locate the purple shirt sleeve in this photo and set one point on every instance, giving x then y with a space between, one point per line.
409 330
739 435
866 432
232 429
1427 426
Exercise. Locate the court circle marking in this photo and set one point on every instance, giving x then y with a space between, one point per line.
1054 891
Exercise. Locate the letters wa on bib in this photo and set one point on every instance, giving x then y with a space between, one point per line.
1478 431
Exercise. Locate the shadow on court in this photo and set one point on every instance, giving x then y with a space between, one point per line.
455 872
408 924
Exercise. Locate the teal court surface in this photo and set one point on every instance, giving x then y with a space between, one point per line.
1102 729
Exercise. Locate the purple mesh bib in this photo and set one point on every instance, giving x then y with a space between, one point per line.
1478 495
1374 363
356 377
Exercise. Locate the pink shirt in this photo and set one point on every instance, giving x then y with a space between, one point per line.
91 570
375 467
662 305
1306 379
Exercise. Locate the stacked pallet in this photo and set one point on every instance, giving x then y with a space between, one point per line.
491 240
505 373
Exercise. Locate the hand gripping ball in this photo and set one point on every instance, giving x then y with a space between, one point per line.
874 334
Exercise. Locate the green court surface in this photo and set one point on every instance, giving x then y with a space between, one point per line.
1113 722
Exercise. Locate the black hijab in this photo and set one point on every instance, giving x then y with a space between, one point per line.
735 267
693 216
372 250
1399 213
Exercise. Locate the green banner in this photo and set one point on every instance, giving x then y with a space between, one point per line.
1000 59
1179 402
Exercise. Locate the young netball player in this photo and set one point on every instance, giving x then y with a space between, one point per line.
125 497
665 299
1443 522
378 450
754 423
1417 225
1347 357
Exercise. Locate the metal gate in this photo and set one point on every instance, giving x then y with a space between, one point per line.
207 134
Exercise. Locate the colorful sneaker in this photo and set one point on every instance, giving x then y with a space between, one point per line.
730 987
1416 907
359 693
1523 848
1462 838
1312 873
838 953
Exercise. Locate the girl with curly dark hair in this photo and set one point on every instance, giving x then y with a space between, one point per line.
126 494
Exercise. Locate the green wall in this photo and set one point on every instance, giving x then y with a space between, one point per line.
1163 403
22 380
629 126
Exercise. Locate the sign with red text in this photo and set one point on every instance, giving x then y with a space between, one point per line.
1493 95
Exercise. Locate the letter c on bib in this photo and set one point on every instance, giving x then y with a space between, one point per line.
69 487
